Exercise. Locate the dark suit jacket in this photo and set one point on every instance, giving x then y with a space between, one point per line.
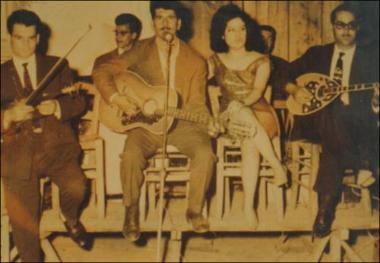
17 150
365 69
143 58
355 125
278 77
105 57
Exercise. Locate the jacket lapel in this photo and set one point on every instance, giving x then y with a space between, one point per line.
15 78
154 65
329 51
180 75
40 69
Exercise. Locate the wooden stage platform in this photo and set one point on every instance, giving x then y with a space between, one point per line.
294 220
299 219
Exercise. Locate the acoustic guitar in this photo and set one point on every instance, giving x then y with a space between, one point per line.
150 102
323 90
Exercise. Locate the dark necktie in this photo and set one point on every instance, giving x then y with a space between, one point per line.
28 87
338 75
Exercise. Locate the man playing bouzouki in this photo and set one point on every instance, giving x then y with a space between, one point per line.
148 59
347 127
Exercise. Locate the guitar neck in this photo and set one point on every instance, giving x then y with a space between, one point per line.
356 87
202 118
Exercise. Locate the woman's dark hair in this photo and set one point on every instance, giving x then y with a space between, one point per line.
24 17
219 23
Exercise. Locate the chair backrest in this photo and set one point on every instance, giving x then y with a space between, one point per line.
89 123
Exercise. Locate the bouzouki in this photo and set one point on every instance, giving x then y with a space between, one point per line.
323 90
150 101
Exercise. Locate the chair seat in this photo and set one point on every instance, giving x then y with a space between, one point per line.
177 166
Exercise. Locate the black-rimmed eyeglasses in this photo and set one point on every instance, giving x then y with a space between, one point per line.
350 26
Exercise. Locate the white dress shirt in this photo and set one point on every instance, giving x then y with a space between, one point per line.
347 65
162 52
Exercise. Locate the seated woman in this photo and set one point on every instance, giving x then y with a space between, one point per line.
242 72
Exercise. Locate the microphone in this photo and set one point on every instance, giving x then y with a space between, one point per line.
169 38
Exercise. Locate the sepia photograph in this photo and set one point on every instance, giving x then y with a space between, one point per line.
190 131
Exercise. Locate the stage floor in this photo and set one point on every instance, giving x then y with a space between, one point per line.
299 219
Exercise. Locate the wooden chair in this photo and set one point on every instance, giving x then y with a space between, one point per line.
93 148
178 171
93 151
303 157
5 231
229 166
304 160
9 253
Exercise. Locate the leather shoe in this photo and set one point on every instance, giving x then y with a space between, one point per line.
78 234
199 223
322 225
325 215
131 228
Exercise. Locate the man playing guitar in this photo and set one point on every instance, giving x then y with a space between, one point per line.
188 72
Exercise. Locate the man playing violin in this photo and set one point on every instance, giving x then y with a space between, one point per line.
37 138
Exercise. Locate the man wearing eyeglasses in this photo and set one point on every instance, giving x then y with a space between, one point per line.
346 128
127 32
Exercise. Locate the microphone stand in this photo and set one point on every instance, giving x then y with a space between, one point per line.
164 152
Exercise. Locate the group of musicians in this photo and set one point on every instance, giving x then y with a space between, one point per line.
38 139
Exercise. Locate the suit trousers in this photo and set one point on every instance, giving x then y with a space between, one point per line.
189 139
22 197
331 127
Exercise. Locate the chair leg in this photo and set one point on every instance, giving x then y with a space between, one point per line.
365 201
49 251
5 239
219 194
295 167
151 196
142 202
55 198
227 196
100 191
313 197
263 193
279 202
